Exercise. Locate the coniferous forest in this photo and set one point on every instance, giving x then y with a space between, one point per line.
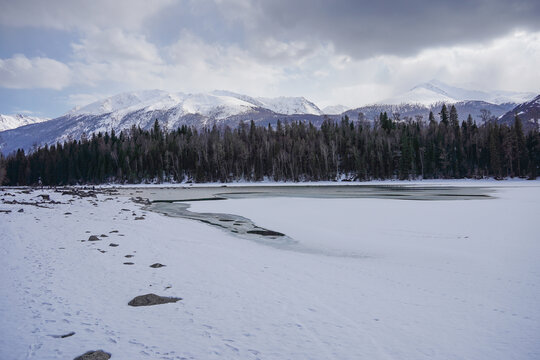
388 148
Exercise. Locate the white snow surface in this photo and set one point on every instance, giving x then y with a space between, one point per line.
453 279
8 122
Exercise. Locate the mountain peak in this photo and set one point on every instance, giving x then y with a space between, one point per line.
8 122
435 91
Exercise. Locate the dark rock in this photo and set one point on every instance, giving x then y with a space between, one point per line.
113 244
157 265
103 235
5 211
94 355
113 231
152 299
20 210
265 232
139 218
63 336
67 213
101 251
129 256
129 263
45 197
93 238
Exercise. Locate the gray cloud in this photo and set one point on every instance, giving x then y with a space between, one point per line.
364 29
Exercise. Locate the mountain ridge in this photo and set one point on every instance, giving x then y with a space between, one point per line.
204 110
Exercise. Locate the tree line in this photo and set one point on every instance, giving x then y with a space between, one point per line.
388 148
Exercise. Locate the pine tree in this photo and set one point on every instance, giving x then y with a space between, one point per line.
444 115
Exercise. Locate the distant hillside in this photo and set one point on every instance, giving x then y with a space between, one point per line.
528 112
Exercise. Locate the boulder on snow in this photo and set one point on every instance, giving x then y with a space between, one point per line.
157 265
94 355
93 238
152 299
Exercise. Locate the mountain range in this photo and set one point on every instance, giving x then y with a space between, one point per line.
220 108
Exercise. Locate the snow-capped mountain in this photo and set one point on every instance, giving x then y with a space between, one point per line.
335 109
436 91
142 108
216 104
8 122
528 112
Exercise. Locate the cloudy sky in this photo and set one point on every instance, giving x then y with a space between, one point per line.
56 54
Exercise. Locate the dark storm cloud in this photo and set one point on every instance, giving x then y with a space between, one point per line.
366 28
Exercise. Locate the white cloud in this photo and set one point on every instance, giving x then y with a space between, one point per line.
20 72
113 45
507 63
196 65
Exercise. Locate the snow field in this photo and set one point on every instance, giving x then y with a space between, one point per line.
391 279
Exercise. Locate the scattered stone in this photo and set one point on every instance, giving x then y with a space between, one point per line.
113 244
94 355
152 299
126 210
121 235
20 210
129 256
63 336
129 263
103 235
45 197
102 251
139 218
79 193
93 238
5 211
157 265
67 213
265 232
113 231
15 202
140 200
88 231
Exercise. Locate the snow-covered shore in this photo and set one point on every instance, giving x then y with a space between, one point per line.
454 279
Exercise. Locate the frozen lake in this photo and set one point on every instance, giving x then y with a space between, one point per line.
429 271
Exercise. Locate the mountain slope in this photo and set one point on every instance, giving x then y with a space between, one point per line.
464 108
528 112
8 122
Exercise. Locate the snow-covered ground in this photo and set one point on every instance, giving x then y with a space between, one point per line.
387 279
